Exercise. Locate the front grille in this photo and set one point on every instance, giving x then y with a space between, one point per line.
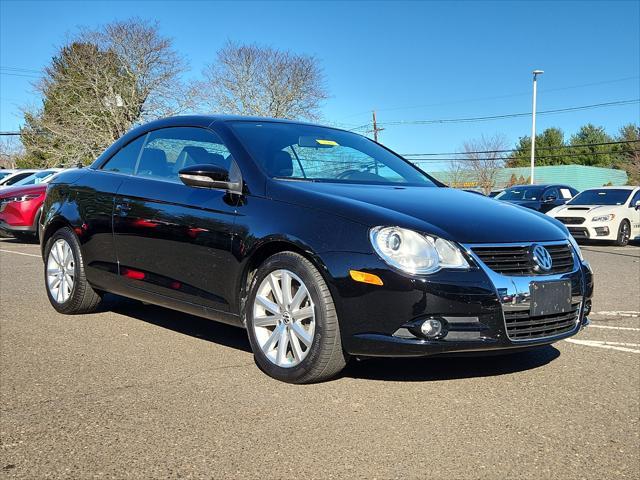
510 260
571 220
520 326
579 233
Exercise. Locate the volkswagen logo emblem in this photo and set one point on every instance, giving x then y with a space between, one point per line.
541 258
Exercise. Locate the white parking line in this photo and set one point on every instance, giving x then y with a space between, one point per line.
614 328
607 345
20 253
618 313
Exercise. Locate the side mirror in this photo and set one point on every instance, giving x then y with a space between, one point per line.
550 198
212 176
637 205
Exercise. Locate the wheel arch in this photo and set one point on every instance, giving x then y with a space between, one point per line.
50 228
265 250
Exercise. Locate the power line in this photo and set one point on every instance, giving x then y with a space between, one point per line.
19 75
515 149
570 155
498 97
510 115
16 69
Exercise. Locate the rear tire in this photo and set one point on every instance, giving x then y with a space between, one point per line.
624 234
307 327
64 276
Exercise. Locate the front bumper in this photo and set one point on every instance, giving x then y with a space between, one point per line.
8 230
471 304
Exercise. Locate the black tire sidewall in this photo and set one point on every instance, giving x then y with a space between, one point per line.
67 235
302 270
621 241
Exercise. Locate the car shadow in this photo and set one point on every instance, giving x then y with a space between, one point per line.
179 322
389 369
449 368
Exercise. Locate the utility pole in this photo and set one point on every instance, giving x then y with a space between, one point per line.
376 129
533 123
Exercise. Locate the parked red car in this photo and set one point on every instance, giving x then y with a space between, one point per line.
20 209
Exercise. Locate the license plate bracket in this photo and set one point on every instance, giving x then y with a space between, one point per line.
549 298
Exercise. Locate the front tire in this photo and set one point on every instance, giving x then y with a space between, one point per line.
64 276
292 322
624 234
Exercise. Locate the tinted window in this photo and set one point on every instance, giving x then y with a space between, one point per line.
604 196
636 198
521 193
125 160
169 150
287 150
17 178
35 178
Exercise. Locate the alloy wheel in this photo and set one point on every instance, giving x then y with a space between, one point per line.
284 318
60 271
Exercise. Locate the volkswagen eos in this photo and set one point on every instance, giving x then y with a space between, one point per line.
323 244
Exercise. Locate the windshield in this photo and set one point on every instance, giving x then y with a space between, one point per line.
307 152
36 178
4 174
604 196
522 193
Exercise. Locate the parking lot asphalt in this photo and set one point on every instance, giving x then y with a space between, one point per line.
138 391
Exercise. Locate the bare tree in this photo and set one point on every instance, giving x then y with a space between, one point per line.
10 151
457 173
100 85
484 160
262 81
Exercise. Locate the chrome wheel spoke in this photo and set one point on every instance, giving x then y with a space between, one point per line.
275 289
303 313
296 301
267 320
300 332
268 305
60 271
295 346
283 343
283 330
273 338
55 282
286 288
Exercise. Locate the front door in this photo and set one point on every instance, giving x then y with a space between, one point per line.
171 239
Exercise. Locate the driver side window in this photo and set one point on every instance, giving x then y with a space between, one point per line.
550 194
635 199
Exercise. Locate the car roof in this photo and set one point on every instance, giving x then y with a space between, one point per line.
613 187
540 185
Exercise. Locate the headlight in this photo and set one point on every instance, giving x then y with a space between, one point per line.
415 253
603 218
21 198
576 247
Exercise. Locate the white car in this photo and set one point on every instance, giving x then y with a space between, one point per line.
15 176
606 213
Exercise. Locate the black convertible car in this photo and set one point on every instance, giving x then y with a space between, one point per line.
321 243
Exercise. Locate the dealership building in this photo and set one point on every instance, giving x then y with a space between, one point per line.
579 177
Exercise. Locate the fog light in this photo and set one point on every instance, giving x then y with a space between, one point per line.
431 328
602 231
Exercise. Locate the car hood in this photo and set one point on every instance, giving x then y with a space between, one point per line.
582 210
446 212
524 203
12 191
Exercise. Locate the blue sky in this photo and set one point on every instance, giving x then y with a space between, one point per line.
408 60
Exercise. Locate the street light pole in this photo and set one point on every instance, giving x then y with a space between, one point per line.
533 123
